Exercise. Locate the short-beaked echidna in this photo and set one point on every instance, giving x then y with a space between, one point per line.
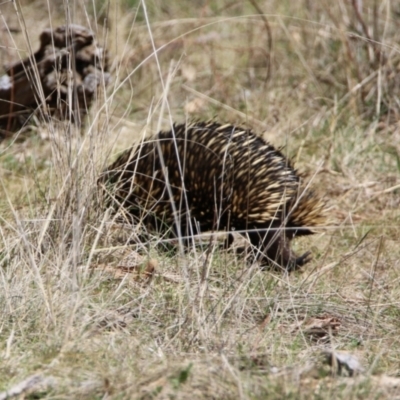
205 176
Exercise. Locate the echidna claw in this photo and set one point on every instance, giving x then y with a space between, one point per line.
303 259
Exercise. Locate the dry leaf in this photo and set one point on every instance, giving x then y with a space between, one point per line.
133 267
320 327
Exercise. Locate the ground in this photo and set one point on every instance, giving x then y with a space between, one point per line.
95 314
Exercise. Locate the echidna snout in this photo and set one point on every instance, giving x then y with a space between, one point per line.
206 176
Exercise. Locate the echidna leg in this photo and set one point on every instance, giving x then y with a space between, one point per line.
278 250
270 248
275 249
286 257
303 259
229 240
290 261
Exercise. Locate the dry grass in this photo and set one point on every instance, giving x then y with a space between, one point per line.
80 305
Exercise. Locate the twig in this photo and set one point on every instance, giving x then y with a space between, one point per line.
379 56
269 39
33 383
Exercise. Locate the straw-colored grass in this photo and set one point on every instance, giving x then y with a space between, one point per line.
320 79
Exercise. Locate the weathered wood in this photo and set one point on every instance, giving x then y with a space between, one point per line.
33 383
59 80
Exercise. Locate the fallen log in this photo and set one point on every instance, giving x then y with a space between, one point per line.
59 81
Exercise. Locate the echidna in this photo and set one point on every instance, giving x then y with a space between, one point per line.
205 176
